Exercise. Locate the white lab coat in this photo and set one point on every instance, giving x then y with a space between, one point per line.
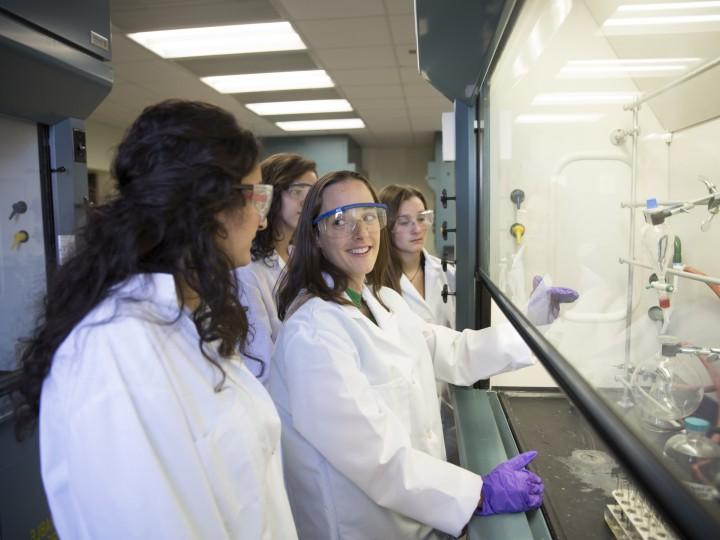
259 342
432 309
135 441
264 274
362 438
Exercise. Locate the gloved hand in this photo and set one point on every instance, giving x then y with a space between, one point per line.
544 303
510 487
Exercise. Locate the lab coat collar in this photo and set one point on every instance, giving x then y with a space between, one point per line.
156 287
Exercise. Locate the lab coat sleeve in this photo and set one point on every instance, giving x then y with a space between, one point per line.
335 408
133 468
463 358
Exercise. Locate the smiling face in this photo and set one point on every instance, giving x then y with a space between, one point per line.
409 237
292 200
355 253
240 226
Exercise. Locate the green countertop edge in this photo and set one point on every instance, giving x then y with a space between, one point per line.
484 440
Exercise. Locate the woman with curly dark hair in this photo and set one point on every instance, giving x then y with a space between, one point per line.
150 424
291 176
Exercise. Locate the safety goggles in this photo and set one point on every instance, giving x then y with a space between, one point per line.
343 221
422 219
259 194
298 191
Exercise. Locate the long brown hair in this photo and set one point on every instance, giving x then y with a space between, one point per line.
393 196
278 170
307 263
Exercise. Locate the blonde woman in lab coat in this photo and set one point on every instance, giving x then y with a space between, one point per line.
151 426
353 380
291 176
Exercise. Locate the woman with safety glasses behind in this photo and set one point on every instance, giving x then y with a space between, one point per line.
413 272
291 176
151 426
353 378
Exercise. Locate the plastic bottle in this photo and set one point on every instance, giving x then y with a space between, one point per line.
697 456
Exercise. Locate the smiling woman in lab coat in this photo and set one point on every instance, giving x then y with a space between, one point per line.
414 273
353 380
151 426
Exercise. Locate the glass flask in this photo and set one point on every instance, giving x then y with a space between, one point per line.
667 388
697 457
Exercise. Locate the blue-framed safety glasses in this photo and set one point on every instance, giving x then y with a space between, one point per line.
344 220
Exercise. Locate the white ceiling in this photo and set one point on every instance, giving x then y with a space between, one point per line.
366 46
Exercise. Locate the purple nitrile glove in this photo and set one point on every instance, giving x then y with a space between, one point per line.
510 487
544 303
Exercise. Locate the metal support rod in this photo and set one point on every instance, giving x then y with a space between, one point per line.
680 80
672 271
625 401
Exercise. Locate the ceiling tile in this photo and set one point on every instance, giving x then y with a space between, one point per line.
373 91
422 90
237 64
345 33
403 30
330 9
400 7
411 75
356 57
163 15
288 95
406 55
362 77
374 104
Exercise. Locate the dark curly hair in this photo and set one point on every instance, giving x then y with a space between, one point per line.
278 170
306 265
176 169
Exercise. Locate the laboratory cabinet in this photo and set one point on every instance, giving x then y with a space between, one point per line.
596 172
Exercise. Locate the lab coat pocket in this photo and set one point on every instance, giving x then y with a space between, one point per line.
233 457
395 395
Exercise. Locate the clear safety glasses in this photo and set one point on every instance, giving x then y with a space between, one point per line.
259 194
343 221
422 219
298 190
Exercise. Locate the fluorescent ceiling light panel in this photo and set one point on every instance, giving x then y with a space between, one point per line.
217 40
583 98
268 82
316 125
557 118
300 107
668 6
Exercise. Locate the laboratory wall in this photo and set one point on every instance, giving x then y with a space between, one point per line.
402 165
556 121
331 152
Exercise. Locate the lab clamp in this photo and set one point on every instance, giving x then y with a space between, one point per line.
665 249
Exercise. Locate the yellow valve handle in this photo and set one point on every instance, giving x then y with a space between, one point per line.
517 230
20 237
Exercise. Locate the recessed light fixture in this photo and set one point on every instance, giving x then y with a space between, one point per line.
267 82
218 40
557 118
317 125
583 98
300 107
